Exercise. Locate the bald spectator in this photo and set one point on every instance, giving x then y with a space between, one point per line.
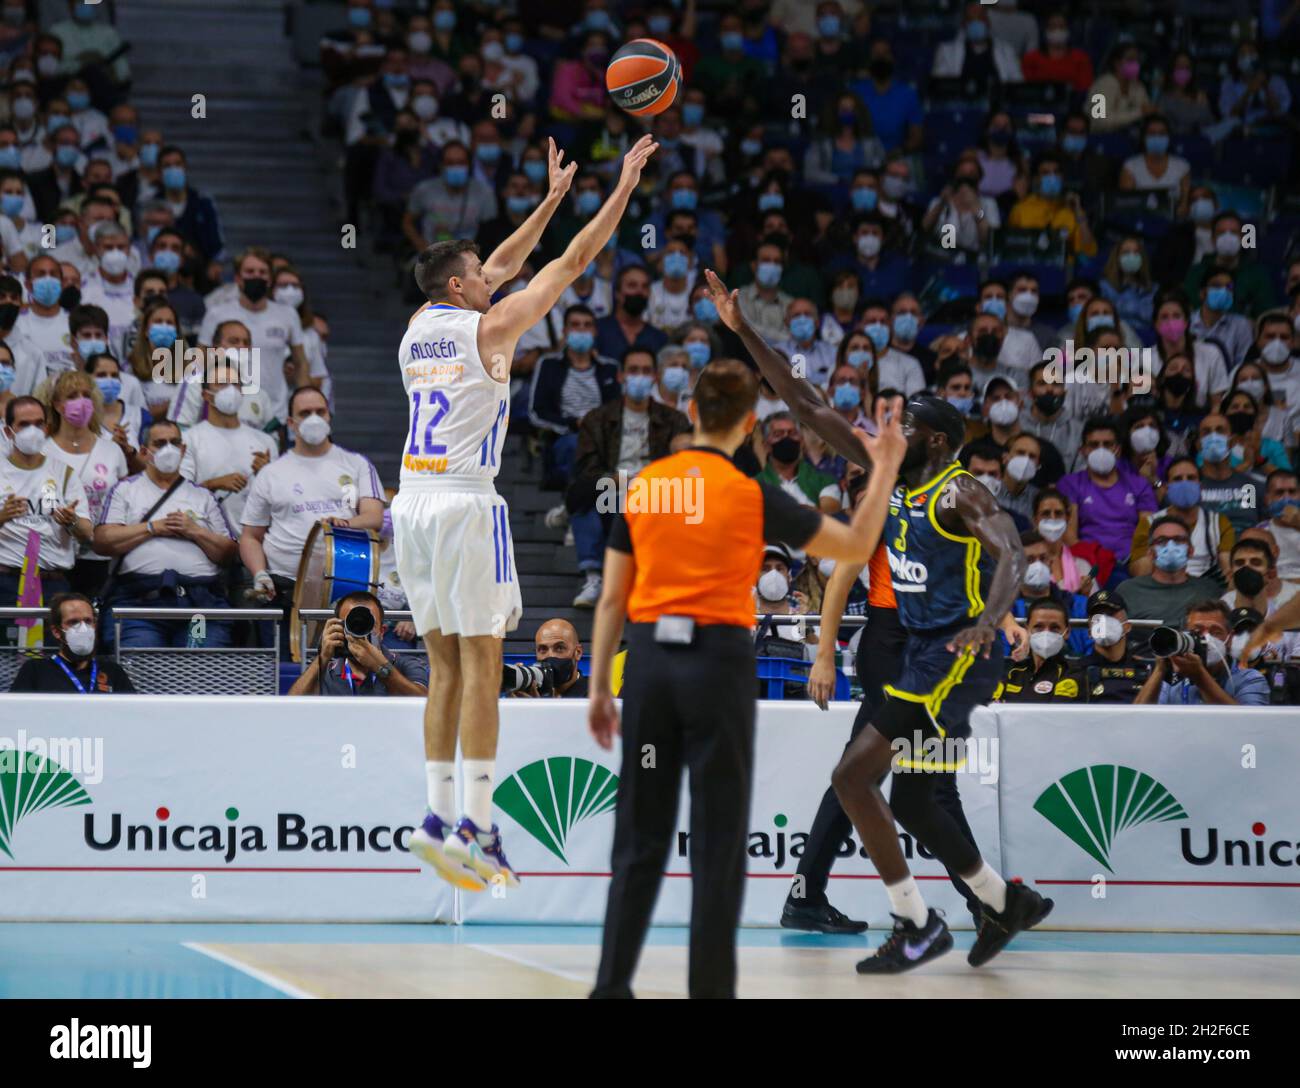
557 642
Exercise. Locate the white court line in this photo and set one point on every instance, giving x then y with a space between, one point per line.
524 961
265 978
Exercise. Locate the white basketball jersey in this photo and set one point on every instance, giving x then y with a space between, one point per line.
458 413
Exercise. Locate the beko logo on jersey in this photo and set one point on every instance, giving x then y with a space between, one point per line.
435 349
907 570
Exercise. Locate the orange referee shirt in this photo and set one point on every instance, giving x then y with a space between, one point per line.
880 587
696 526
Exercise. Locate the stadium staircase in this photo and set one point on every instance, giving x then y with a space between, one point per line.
258 154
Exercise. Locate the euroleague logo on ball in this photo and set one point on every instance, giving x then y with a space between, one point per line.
644 77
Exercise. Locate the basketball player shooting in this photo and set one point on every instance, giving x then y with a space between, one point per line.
451 529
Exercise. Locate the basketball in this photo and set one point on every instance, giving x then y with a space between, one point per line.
644 77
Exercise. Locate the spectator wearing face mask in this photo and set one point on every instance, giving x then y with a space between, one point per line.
1044 412
975 55
1190 679
1021 461
1058 61
557 642
1252 451
763 301
1047 675
370 124
775 595
73 668
1126 283
673 377
1248 283
1212 534
119 422
1155 170
1282 505
1225 488
110 286
452 205
670 295
232 345
1114 675
1121 89
985 335
45 323
290 290
25 358
353 665
1169 589
1077 567
961 214
578 89
1253 578
881 272
786 466
802 345
1050 207
627 327
195 212
1106 497
1250 95
1280 385
1214 321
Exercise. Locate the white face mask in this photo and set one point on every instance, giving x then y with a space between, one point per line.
1102 461
1105 630
1046 643
1227 244
80 638
1216 650
992 483
114 261
1004 412
1022 467
1144 439
314 430
1276 352
30 440
226 400
1025 303
1039 575
1052 529
773 586
869 245
419 41
425 106
826 567
289 295
167 459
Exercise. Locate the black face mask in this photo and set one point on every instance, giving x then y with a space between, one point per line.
1248 582
881 69
561 669
987 345
70 299
1241 422
255 289
8 315
1049 403
786 450
1179 385
635 305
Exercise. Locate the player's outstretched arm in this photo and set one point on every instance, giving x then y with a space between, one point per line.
510 318
992 526
506 260
799 393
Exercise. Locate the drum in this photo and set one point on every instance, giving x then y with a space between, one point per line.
335 562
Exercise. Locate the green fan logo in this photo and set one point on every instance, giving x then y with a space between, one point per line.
1094 804
548 797
28 783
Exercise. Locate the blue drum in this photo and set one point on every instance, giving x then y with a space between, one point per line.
335 562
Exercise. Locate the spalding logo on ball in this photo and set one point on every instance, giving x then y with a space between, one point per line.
644 77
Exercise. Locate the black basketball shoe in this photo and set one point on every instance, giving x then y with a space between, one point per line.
818 918
909 946
1025 908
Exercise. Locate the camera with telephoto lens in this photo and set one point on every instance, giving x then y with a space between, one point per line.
359 622
1171 642
546 675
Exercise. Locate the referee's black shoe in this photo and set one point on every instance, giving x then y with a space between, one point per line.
818 918
909 946
1024 909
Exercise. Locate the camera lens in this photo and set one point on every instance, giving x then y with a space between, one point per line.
359 622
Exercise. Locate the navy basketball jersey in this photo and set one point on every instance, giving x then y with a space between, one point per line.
939 579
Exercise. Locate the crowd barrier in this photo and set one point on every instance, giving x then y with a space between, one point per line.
183 808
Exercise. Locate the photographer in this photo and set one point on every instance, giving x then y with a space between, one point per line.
558 651
1204 675
355 663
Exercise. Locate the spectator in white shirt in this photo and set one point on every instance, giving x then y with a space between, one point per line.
290 290
670 296
893 369
802 346
80 249
45 324
158 357
119 419
232 343
110 285
91 125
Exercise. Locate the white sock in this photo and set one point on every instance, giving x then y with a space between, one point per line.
441 778
989 887
479 774
905 901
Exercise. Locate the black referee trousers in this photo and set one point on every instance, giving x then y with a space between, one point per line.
684 707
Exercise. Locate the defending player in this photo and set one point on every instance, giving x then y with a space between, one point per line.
450 527
956 565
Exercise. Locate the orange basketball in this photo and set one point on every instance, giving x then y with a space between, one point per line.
644 77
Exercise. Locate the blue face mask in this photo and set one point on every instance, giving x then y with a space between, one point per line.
359 17
10 158
802 328
732 41
1099 321
864 199
859 358
581 342
173 177
56 122
878 333
444 20
162 336
597 20
846 397
1278 507
109 388
828 26
534 169
1214 448
396 80
519 205
47 289
995 306
149 155
86 348
699 350
692 114
1171 556
1157 144
685 200
638 386
676 265
11 204
1073 311
1050 185
514 42
1219 298
705 311
488 153
1074 143
7 375
770 202
78 101
659 25
64 233
977 31
676 379
768 273
1184 493
962 404
167 261
125 134
751 148
587 202
66 155
906 326
456 176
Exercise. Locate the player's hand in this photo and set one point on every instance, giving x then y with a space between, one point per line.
602 720
728 304
1259 638
821 681
976 639
634 161
561 177
887 446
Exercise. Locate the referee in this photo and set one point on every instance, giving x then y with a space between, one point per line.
682 573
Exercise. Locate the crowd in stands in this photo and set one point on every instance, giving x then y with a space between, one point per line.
961 198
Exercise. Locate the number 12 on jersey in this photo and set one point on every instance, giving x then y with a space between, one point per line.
441 406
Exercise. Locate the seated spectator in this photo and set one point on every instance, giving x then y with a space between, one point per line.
673 377
1214 322
558 644
670 295
1224 487
763 302
802 345
1022 459
1182 98
1044 413
73 667
1254 579
844 144
1126 282
172 541
346 664
1058 61
1212 534
1168 590
400 168
1250 288
1039 585
1191 679
774 595
1282 504
1252 451
1049 207
1144 443
1046 675
961 218
881 269
1120 88
578 89
1250 95
1114 675
232 344
974 56
787 468
627 327
1155 170
451 205
896 114
1106 497
198 219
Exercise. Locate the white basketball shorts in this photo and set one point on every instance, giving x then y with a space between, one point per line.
455 557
